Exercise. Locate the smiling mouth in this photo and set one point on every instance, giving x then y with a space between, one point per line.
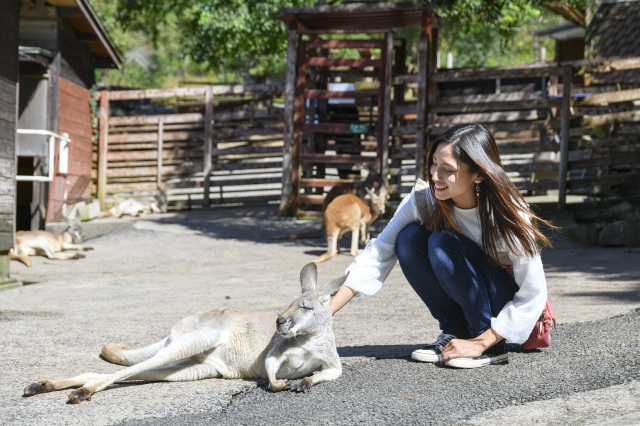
439 187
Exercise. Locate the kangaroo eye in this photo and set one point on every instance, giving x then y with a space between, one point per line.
308 308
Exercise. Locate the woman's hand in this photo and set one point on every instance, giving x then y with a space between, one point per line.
462 348
470 348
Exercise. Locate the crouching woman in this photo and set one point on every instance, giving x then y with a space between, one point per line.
469 245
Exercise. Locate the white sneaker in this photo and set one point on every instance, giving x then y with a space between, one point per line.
432 352
497 354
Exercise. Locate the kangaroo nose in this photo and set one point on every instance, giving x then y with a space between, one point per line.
281 320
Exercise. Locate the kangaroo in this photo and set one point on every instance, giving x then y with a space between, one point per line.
356 188
349 212
137 206
49 244
230 344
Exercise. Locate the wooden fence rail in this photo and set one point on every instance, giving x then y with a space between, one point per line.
217 144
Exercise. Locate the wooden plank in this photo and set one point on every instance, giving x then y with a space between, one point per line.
469 74
318 61
180 92
609 97
136 138
103 147
333 128
320 183
160 153
491 117
336 159
614 117
153 119
445 107
344 43
334 94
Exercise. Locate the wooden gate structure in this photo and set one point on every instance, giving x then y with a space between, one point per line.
213 144
353 43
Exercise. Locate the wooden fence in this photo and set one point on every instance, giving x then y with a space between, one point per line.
224 144
214 144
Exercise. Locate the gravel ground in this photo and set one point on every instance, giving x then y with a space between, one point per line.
145 274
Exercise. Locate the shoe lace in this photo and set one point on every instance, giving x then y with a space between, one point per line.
443 339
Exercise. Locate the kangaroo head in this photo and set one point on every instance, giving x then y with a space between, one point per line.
379 200
309 314
74 229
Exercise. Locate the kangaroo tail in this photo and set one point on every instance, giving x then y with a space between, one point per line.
22 258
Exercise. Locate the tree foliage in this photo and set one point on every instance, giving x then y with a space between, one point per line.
165 40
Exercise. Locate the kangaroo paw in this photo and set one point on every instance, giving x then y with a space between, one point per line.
111 352
303 385
43 386
279 385
80 395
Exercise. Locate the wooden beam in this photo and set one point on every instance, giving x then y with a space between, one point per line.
564 137
289 98
335 94
159 153
317 61
208 142
386 110
421 105
103 147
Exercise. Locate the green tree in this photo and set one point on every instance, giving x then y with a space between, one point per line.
166 41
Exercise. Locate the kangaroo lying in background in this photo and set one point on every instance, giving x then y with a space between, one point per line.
49 244
349 212
230 344
137 206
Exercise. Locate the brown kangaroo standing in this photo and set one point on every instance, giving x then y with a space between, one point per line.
349 212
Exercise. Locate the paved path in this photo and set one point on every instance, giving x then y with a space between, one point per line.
145 274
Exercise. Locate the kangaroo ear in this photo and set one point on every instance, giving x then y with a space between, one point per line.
330 288
309 277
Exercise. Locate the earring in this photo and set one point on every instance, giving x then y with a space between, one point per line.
477 190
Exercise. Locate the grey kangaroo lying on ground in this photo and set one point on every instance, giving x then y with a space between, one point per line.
349 212
49 244
230 344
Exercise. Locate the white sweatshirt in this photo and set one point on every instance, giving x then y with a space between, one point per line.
516 320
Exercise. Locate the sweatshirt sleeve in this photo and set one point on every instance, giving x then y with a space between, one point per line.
368 270
518 317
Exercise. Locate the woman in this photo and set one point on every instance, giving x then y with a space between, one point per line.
468 244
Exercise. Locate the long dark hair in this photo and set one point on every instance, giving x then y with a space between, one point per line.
500 204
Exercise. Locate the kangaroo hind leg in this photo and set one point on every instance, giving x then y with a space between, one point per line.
117 353
187 346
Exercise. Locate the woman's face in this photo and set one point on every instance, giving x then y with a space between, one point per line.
452 178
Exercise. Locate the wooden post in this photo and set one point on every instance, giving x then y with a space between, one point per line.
567 75
160 143
421 107
208 142
298 122
289 98
386 112
103 147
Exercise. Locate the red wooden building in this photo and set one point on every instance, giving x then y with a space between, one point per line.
61 43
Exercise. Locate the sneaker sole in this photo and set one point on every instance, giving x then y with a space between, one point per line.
421 357
475 363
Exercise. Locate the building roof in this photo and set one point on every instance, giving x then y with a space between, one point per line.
90 32
352 18
564 31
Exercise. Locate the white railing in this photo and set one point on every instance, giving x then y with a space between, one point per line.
63 154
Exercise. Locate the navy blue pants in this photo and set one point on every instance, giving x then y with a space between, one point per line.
455 278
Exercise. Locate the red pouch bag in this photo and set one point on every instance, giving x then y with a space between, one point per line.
541 335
